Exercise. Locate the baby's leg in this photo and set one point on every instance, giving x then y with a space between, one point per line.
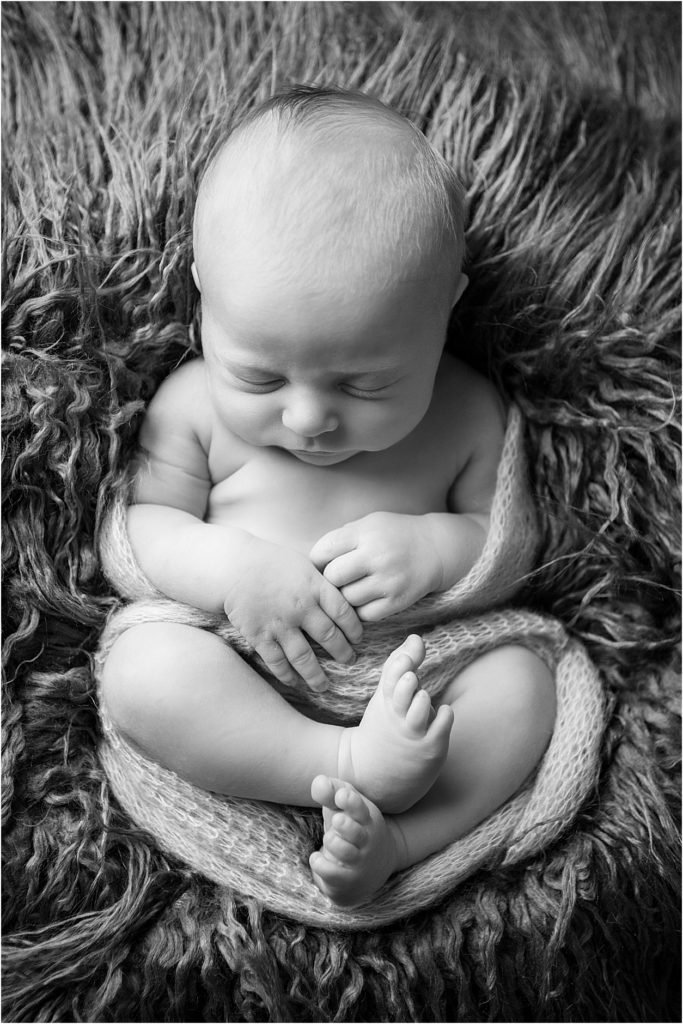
504 713
188 701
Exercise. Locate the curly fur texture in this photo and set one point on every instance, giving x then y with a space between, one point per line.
563 121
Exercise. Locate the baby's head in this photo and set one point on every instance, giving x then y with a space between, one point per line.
328 243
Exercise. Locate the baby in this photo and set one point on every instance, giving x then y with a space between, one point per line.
325 465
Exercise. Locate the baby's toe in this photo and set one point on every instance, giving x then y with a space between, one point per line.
440 728
323 791
330 875
414 647
349 799
394 668
419 712
348 828
341 849
325 870
404 692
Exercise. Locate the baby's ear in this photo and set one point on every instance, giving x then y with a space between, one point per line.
463 281
195 275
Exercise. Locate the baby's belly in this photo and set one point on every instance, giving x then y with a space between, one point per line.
284 501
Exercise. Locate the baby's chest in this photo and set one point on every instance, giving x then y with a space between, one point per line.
283 500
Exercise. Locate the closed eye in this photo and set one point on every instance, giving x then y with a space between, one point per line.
357 392
258 386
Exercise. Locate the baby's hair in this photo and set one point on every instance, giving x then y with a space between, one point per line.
413 196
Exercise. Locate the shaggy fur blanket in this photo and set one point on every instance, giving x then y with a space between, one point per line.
563 122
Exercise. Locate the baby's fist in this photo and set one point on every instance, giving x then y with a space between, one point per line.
382 563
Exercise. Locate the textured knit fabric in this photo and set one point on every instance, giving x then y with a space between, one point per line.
259 849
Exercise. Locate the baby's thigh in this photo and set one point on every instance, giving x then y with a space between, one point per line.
156 672
510 685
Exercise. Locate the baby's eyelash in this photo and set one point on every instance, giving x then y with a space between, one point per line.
261 385
364 392
266 386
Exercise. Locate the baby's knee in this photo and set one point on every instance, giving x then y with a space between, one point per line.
532 692
514 684
144 674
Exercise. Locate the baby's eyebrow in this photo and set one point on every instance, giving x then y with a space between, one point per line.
369 375
384 374
244 367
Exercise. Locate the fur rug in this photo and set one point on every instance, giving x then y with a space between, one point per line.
563 121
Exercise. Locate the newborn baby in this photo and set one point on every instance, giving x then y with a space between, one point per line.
324 465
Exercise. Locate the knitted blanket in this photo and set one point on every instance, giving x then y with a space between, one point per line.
259 849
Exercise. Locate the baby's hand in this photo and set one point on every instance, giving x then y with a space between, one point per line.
276 599
382 563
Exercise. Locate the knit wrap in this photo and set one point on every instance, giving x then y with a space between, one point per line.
261 849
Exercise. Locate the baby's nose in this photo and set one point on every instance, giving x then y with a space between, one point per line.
309 416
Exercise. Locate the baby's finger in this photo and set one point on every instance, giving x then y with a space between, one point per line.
332 545
274 659
375 611
303 660
335 605
362 592
323 630
345 569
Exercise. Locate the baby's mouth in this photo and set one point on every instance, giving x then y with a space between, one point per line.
312 451
318 456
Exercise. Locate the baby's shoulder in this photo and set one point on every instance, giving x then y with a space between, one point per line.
183 400
184 384
468 399
475 414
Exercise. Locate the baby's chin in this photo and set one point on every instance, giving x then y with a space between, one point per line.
321 458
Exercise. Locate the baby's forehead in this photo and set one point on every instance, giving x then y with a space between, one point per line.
351 186
355 151
347 186
362 119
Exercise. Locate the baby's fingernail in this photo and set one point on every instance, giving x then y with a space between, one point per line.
351 658
320 685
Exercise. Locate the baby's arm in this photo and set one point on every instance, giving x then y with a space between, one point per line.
460 534
273 595
386 561
186 559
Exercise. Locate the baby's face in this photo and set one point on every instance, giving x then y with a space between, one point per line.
323 372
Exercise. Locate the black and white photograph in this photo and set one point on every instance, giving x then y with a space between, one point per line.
341 511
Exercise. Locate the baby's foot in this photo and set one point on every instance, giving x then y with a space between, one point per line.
394 756
361 848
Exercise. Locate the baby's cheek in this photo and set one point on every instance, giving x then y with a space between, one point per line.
245 415
391 424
